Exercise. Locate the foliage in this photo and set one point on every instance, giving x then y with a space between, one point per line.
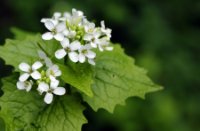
163 36
109 81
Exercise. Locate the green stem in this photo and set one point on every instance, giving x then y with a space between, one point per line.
43 49
65 60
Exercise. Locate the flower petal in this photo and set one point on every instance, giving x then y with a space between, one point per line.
59 91
91 61
24 77
54 84
72 34
58 73
20 85
77 12
52 78
41 54
60 27
56 70
37 65
24 85
48 62
75 45
81 58
103 24
109 48
49 25
28 87
24 67
97 34
60 53
65 43
66 32
90 54
66 14
59 36
87 46
101 48
43 87
47 36
55 22
87 37
93 44
43 20
57 15
92 25
48 98
73 56
89 28
36 75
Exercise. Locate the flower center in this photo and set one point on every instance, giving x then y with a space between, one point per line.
78 29
84 51
54 31
52 73
67 49
50 90
26 84
91 30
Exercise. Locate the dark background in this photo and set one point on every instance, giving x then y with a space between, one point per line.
162 35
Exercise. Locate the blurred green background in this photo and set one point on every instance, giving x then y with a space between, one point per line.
163 37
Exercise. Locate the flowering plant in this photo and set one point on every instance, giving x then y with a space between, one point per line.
75 61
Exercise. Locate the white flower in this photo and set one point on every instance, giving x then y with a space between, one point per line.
66 16
68 49
26 85
53 71
55 22
107 31
103 44
89 27
50 90
93 38
45 59
76 17
77 13
85 52
69 33
30 71
55 19
57 15
77 35
56 31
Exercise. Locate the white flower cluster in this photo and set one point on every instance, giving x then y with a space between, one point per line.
77 36
44 75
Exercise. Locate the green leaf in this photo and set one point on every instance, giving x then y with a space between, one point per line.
26 111
20 34
117 78
18 108
65 114
112 80
2 125
16 51
79 76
